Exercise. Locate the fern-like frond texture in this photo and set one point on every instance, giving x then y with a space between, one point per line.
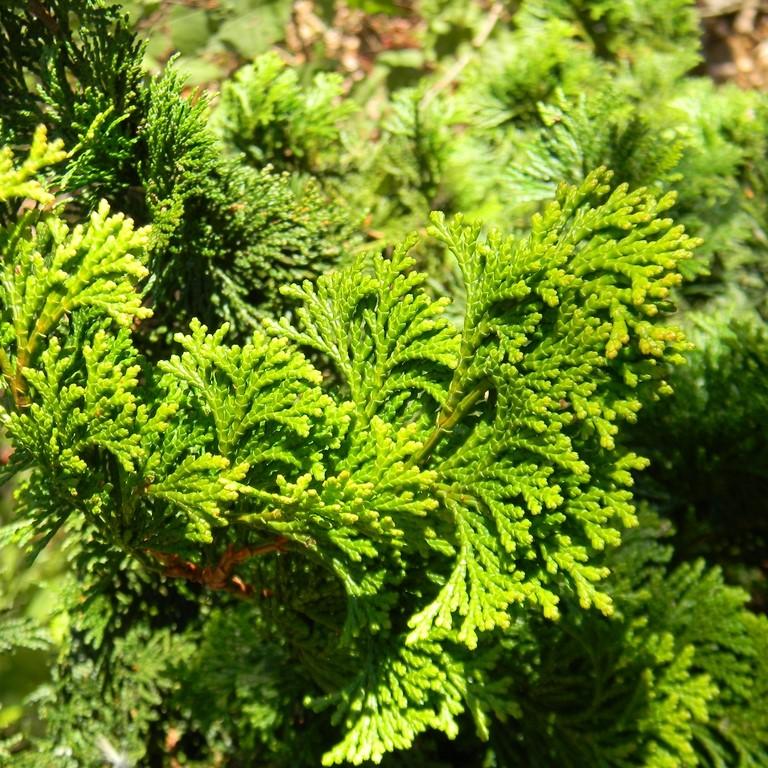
271 119
149 150
20 182
512 420
309 490
373 439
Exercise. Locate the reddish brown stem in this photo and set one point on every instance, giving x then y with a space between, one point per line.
41 13
5 454
218 576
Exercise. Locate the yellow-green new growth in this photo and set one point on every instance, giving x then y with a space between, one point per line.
20 181
50 270
483 454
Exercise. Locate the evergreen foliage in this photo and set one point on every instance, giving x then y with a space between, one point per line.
267 115
148 150
622 28
713 456
338 479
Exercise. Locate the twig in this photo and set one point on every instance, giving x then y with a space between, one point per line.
219 576
41 13
452 74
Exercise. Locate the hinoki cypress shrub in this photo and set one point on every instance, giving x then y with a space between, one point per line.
321 505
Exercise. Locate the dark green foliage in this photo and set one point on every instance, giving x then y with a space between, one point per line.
681 642
709 469
229 234
225 238
86 84
269 117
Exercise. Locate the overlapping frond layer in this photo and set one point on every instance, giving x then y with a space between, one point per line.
266 114
395 698
667 693
315 497
556 338
376 440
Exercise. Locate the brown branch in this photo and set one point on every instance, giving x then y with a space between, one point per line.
41 13
218 576
6 451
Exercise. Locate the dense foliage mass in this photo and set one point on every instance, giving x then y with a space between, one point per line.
414 419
